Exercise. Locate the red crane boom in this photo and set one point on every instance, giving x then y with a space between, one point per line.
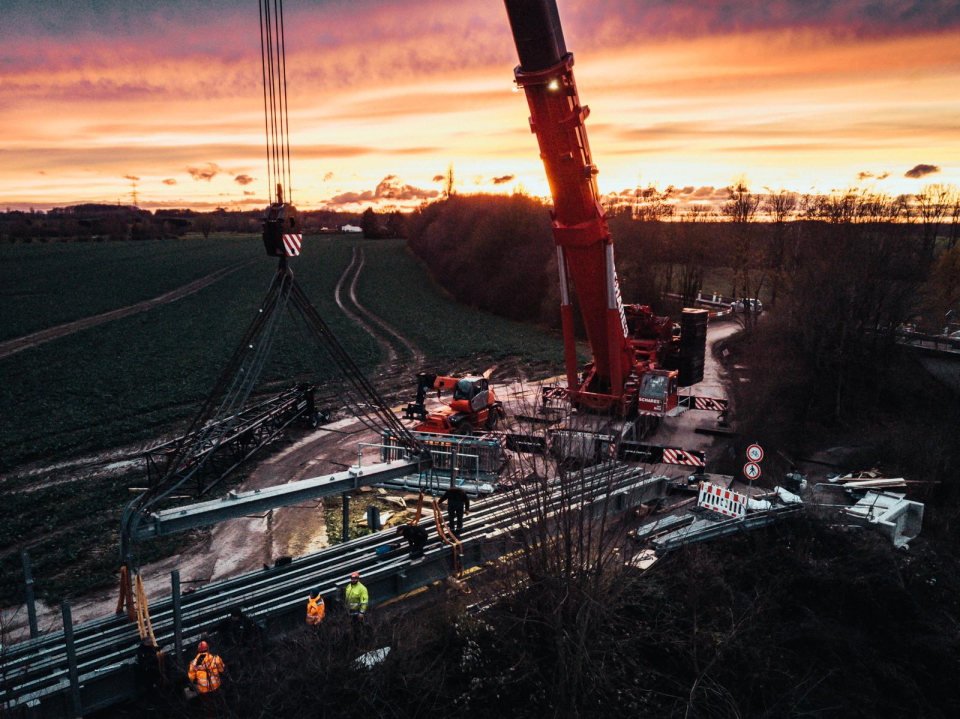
623 351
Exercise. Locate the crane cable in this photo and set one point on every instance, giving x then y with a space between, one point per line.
273 60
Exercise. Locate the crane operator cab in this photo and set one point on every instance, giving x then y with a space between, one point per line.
471 394
281 228
658 392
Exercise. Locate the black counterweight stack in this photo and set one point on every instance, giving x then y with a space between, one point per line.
693 346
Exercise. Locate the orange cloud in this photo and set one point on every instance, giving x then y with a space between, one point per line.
687 93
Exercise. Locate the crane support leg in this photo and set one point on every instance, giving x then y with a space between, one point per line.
569 348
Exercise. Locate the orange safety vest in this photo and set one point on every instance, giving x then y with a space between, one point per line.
315 611
205 672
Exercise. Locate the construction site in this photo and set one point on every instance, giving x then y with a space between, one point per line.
620 525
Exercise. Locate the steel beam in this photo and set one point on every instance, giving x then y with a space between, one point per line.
240 504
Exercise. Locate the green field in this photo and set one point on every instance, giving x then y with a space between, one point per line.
128 379
43 285
135 378
434 322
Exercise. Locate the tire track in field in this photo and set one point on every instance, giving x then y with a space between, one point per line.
17 344
364 317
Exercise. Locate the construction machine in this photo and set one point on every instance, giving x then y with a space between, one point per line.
473 406
627 381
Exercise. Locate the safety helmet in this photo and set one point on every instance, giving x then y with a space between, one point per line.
202 647
355 575
315 592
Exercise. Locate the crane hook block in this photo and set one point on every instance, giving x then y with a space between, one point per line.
281 230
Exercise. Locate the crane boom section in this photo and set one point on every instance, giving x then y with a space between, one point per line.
585 246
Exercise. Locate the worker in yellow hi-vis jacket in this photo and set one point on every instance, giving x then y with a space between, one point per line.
357 598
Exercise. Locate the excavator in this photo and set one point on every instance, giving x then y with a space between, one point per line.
627 381
474 406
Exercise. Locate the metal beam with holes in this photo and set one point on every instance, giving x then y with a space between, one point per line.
240 504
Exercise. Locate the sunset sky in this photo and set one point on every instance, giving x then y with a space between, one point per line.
806 95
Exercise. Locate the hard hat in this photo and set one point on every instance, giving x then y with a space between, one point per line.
355 575
202 647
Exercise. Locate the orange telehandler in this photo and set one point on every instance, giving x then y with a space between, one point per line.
473 407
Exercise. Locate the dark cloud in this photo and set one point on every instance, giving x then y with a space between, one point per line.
243 179
41 172
390 187
169 181
869 175
249 193
134 178
503 179
328 177
670 17
439 178
921 171
211 171
348 198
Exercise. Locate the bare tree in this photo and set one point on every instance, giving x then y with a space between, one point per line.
932 203
741 209
449 182
206 223
691 248
954 234
781 205
650 204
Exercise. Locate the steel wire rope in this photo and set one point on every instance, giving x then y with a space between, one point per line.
285 108
352 371
237 396
206 410
263 327
345 389
266 123
267 58
357 402
276 100
258 328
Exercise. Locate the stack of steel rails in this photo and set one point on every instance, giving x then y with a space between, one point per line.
37 673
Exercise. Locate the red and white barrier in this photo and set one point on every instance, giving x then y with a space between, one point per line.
681 456
722 500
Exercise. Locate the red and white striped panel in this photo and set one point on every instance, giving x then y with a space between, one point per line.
555 393
722 500
709 403
681 456
291 244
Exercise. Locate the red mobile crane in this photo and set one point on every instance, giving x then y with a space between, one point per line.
629 343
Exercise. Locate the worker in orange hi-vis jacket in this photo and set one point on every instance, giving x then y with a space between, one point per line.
316 609
205 676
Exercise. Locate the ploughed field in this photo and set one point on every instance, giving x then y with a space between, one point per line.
134 380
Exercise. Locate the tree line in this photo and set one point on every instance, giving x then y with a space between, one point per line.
112 223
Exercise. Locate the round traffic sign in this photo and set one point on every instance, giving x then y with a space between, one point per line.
751 470
754 453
